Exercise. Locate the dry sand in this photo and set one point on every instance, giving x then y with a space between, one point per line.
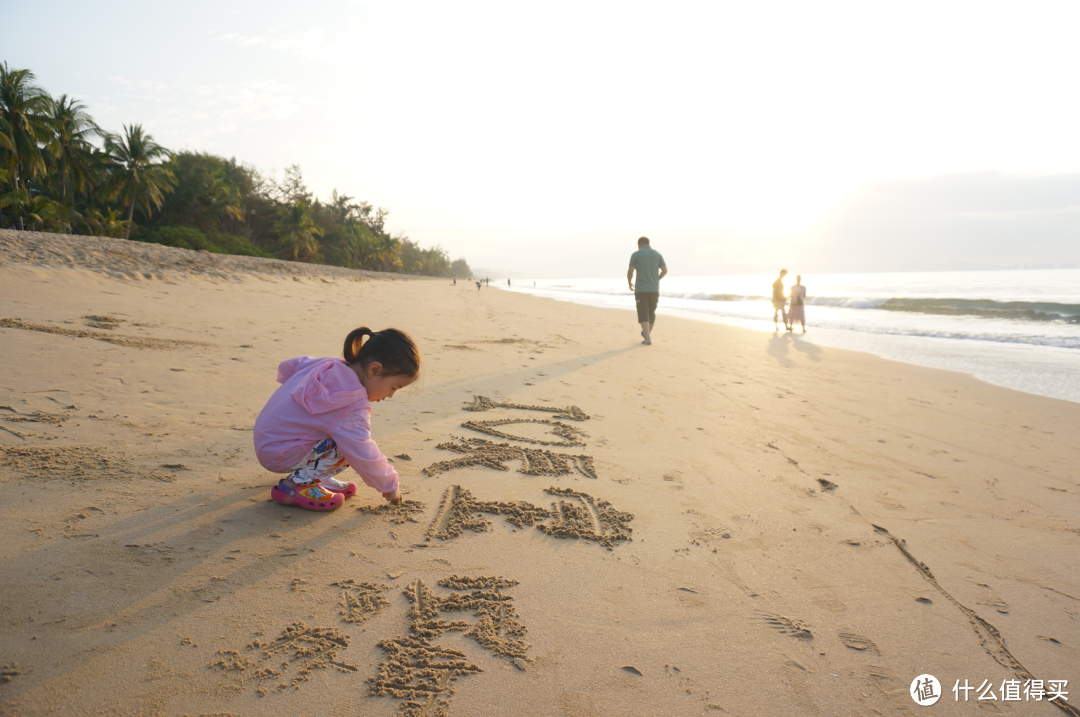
726 522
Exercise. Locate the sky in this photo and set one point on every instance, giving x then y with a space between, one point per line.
544 138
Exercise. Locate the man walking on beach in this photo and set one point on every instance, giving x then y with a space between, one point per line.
651 269
779 300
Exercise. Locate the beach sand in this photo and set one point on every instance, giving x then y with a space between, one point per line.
727 522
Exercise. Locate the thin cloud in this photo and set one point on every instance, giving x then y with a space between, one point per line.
965 220
289 41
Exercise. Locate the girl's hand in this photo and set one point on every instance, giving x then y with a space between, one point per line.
393 496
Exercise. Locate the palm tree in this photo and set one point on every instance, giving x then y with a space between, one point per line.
363 246
225 197
14 199
24 123
136 175
66 217
389 251
72 128
5 141
36 211
359 244
108 225
433 262
298 230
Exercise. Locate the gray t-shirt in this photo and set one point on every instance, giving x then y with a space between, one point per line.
647 262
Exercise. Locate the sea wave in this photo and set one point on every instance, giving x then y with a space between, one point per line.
969 333
1058 342
1019 329
985 308
1014 310
845 302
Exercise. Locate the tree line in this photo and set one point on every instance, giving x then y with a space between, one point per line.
61 172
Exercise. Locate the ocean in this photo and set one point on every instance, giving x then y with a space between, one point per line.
1019 329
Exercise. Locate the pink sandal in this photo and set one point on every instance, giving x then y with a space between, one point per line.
310 496
346 492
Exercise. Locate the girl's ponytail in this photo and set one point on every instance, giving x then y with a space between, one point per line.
392 348
354 342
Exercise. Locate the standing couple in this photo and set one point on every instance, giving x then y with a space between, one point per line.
796 301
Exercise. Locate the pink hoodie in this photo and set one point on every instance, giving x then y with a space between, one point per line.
320 398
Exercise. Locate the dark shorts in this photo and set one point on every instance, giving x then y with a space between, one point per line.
646 306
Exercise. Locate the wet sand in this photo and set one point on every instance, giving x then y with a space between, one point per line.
726 522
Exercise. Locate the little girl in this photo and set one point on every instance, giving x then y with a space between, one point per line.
318 422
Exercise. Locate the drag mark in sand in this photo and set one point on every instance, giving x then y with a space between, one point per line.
570 436
102 322
361 600
483 403
534 461
54 419
403 512
423 674
66 462
988 635
135 342
792 461
78 463
300 646
20 436
580 517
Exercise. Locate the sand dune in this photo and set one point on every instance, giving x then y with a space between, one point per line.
726 522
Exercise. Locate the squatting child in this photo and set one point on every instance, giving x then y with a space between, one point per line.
318 422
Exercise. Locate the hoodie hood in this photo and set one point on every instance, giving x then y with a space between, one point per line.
329 385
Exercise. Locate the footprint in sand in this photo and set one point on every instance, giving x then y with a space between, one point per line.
675 478
787 625
990 598
889 503
856 641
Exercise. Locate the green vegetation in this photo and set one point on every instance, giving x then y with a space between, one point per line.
61 172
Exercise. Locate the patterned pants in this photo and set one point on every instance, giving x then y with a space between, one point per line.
322 464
